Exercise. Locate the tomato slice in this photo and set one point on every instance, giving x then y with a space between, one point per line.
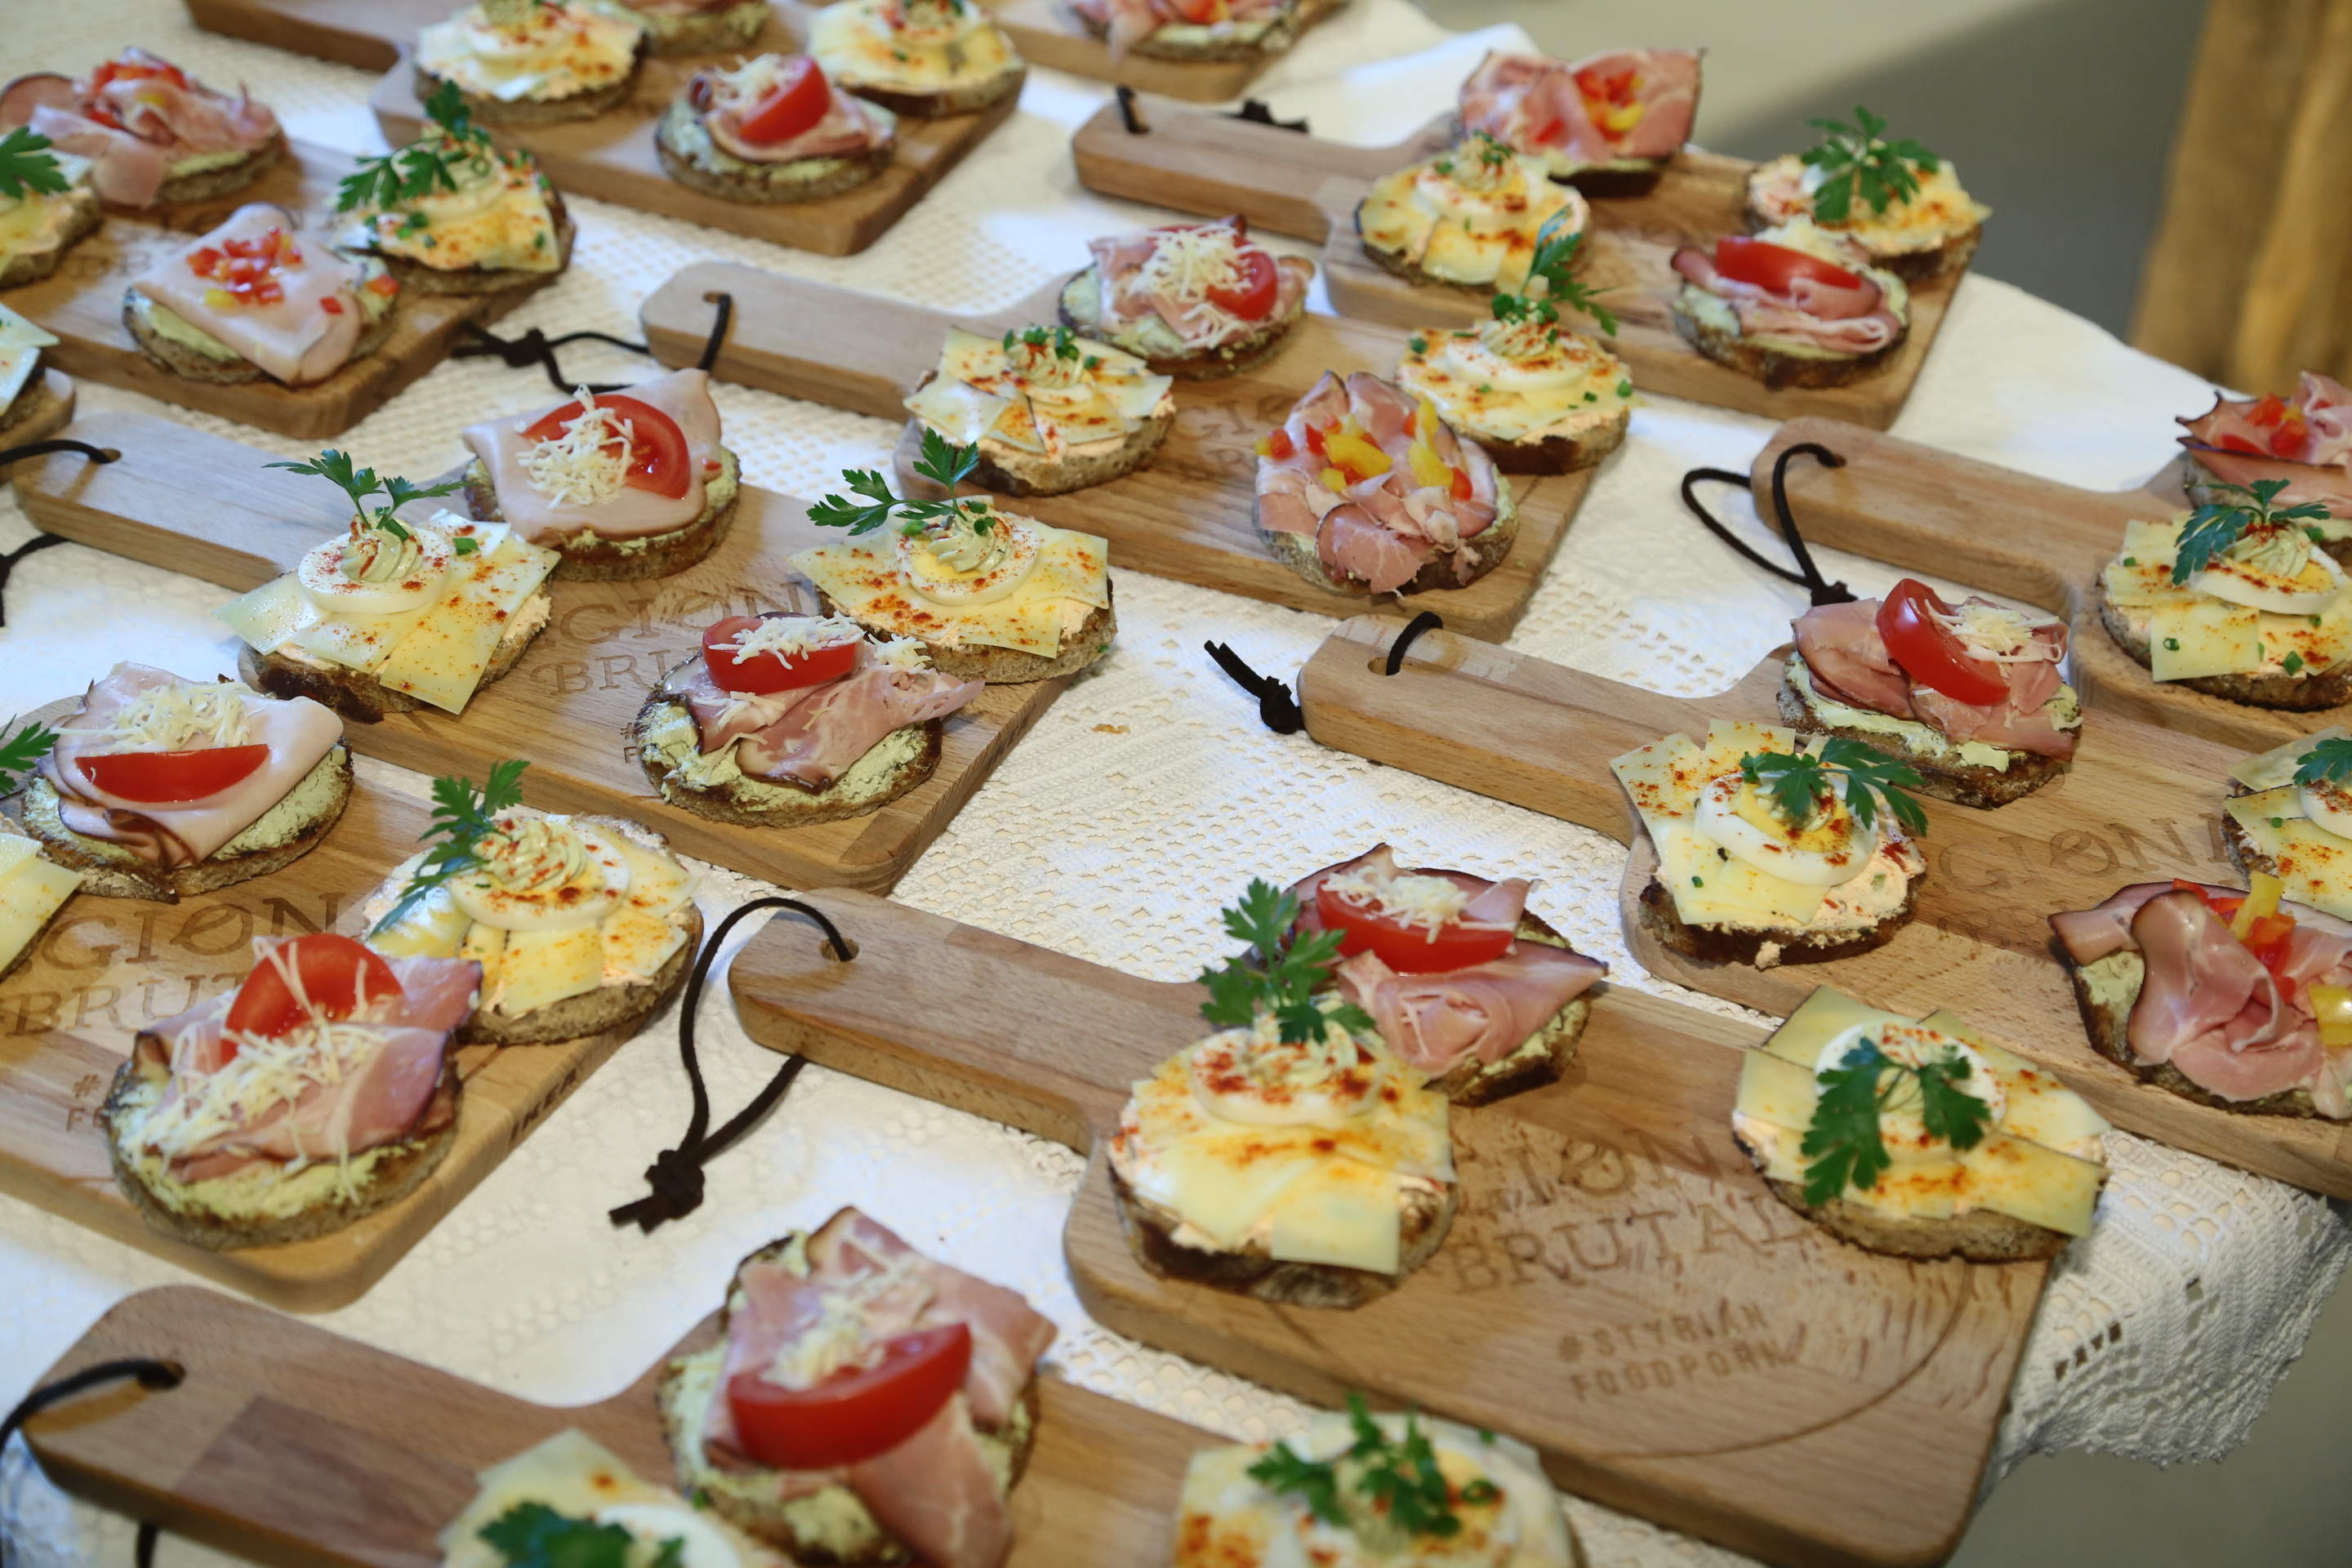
795 106
1407 949
1253 296
858 1414
1745 260
336 975
658 460
168 778
112 71
765 672
1929 652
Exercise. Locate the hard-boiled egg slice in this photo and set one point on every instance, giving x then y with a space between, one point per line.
2328 803
1900 1125
2308 593
922 567
527 891
1832 850
387 574
1239 1076
701 1544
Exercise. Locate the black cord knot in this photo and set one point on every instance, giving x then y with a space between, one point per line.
1807 575
535 347
1277 710
675 1183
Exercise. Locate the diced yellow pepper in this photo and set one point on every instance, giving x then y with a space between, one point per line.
2333 1006
1335 481
2262 898
1429 470
219 298
1349 447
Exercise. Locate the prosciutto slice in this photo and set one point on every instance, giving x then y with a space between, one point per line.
297 732
1849 661
1129 294
934 1491
810 735
848 126
135 127
683 395
1640 104
395 1088
1127 23
2305 440
1829 315
304 336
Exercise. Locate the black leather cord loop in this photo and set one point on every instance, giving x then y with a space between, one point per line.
152 1374
1257 111
720 325
1806 575
1425 621
674 1179
1277 710
42 540
1128 114
535 347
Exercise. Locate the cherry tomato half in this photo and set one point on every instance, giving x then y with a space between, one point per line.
856 1415
1407 949
168 778
766 672
1744 259
658 460
799 101
1929 652
1252 297
335 974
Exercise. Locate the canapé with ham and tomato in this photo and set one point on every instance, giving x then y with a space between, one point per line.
147 132
46 206
773 128
2304 441
927 59
1898 203
529 62
450 214
1793 306
1193 301
1195 30
1048 411
1467 217
1610 124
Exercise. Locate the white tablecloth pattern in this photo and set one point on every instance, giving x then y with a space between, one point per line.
1116 828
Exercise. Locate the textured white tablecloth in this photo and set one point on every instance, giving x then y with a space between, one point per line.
1115 829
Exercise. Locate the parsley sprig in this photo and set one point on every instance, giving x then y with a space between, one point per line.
359 484
426 164
1799 785
943 462
2216 525
1279 973
462 816
26 164
1557 245
2328 762
1845 1146
1398 1477
533 1535
20 751
1858 160
1061 340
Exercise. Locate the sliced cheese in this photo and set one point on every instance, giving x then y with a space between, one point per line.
1342 1212
1729 740
272 616
2039 1108
2203 637
657 882
957 410
2314 864
2042 1187
1071 582
1780 1092
431 926
2142 582
2144 538
1228 1180
21 342
635 946
2275 767
536 968
1712 887
15 851
31 891
444 657
1822 1017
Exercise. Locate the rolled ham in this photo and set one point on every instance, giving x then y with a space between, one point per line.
1827 316
1849 662
135 128
683 395
810 735
1626 103
301 338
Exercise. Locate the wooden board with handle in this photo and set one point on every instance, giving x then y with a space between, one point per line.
292 1446
567 702
106 968
2013 535
1618 1289
82 304
2139 804
1214 164
1188 513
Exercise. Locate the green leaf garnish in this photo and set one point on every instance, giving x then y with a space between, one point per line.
1398 1478
943 462
2328 762
1858 160
22 750
359 484
1279 973
1556 245
1063 341
1799 785
533 1535
426 164
26 164
1844 1144
2216 525
462 816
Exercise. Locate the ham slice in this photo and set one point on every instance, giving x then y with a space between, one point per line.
301 338
1127 23
1539 105
2304 441
297 732
848 126
1860 322
1129 295
683 395
810 735
135 128
1849 662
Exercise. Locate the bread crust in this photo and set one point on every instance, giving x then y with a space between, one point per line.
1010 666
415 278
705 33
1010 473
1730 944
1556 454
356 696
2108 1031
775 185
2332 688
967 99
30 267
1483 553
1618 183
1278 37
1980 1236
35 413
622 560
1775 369
807 809
1962 783
608 1009
1243 353
486 111
1151 1232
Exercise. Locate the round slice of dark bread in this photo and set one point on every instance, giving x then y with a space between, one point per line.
19 268
358 697
416 277
1962 783
1458 568
836 803
2330 688
488 111
730 30
1617 184
193 365
1158 46
1772 367
1246 353
622 560
1151 1232
2108 1029
1734 944
1980 1236
1557 454
967 98
802 180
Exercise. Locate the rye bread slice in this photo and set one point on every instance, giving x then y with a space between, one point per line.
1445 569
806 807
1278 36
1246 353
2330 688
723 32
966 97
1738 944
210 185
622 560
84 215
360 697
1963 784
1980 1236
1009 666
801 180
1774 368
1150 1230
1556 454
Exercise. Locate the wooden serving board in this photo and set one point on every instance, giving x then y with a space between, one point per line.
1620 1288
294 1447
1047 33
82 302
567 702
1214 164
2013 535
106 968
1189 514
612 157
2140 804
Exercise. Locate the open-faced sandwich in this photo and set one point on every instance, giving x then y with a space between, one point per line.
1465 984
1539 397
773 128
2289 816
927 59
46 205
160 787
1919 1138
692 26
2236 600
1193 29
449 213
1896 201
569 1500
1794 306
620 485
150 134
1288 1157
782 720
27 403
1047 411
527 62
1365 490
1972 695
1610 124
254 300
1330 1497
869 1405
582 925
2305 440
990 595
1468 217
1771 850
1194 300
32 888
393 614
316 1092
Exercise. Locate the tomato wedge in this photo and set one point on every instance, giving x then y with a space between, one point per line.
1929 652
1744 259
858 1414
168 778
766 672
798 103
1201 13
1407 949
1252 297
658 458
336 975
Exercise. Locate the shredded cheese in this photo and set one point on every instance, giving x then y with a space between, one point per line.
905 654
588 462
789 637
1404 896
837 1340
2001 635
182 718
1189 262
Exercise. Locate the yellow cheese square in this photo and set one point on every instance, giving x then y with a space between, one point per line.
431 926
2314 864
1774 1089
637 945
2206 636
657 883
1661 778
2039 1109
2039 1185
2275 767
1230 1178
1342 1212
1820 1019
272 615
15 850
1711 888
31 892
442 661
2144 539
1456 254
537 967
2144 583
1727 741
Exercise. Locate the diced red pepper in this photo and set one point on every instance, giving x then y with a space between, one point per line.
1278 445
332 305
384 284
1315 440
1460 488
